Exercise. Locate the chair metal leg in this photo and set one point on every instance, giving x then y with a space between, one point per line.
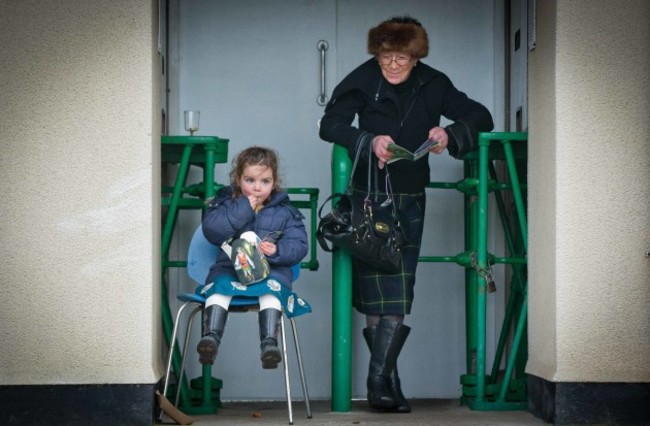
170 358
287 383
171 347
305 392
188 329
183 354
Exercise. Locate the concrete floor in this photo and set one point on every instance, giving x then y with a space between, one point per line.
425 412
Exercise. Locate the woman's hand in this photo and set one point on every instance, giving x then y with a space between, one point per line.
438 134
267 248
379 144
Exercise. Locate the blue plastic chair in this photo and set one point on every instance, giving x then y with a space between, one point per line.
201 255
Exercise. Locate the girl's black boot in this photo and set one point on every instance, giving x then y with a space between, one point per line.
214 323
269 320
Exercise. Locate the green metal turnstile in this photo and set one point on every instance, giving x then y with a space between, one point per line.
201 395
499 389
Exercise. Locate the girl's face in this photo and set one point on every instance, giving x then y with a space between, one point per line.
257 181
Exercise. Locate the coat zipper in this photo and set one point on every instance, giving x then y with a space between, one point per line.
410 108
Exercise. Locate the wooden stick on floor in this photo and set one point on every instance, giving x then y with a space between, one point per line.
174 413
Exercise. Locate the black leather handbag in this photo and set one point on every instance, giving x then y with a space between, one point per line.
368 229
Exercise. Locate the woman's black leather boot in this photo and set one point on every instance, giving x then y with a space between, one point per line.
401 403
269 320
214 322
389 339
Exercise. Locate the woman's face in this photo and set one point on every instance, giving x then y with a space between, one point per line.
396 66
257 181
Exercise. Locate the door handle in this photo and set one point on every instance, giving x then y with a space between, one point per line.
322 47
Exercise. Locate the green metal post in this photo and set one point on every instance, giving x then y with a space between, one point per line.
313 207
516 343
480 391
471 230
482 265
213 150
516 189
208 170
341 300
311 204
170 220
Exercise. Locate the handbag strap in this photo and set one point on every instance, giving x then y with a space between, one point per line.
331 197
362 140
365 138
388 189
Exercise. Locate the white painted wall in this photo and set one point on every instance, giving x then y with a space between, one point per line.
79 233
252 68
589 172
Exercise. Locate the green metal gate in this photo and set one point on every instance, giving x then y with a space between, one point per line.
482 390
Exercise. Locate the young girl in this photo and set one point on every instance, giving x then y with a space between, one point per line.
253 202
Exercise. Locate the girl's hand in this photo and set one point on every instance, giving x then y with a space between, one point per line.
254 201
268 248
439 134
379 144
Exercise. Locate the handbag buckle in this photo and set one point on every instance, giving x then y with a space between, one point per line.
382 228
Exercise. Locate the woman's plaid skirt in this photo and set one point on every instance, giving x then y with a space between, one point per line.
378 293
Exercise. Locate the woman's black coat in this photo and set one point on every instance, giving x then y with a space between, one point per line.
365 92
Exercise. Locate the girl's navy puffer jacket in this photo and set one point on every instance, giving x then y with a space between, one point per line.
229 217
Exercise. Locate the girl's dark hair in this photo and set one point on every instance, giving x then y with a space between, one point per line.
254 156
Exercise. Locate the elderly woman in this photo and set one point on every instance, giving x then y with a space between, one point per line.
397 99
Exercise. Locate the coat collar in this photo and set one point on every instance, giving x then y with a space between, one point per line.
367 78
